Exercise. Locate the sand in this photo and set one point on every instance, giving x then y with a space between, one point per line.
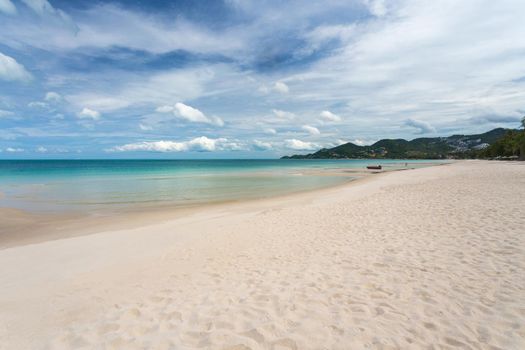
430 258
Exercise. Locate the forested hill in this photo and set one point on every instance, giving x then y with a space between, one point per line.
455 146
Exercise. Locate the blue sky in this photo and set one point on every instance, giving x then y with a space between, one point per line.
252 79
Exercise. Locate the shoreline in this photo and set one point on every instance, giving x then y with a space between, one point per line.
39 227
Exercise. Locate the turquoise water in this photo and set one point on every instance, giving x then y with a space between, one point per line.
105 185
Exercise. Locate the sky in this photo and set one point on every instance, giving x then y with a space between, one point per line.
252 78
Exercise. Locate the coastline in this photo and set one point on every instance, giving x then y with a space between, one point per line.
409 259
34 228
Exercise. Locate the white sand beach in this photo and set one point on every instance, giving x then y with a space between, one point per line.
432 258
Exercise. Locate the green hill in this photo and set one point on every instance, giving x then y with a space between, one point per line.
455 146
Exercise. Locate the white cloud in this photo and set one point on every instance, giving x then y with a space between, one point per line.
299 145
263 89
53 17
361 142
164 109
108 25
11 70
496 119
137 90
194 115
270 131
445 60
39 6
335 143
283 114
7 7
312 130
37 104
376 7
325 33
190 114
52 96
4 113
87 113
41 149
329 116
199 144
261 145
14 150
281 87
103 102
421 126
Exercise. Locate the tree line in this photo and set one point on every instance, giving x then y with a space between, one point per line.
510 145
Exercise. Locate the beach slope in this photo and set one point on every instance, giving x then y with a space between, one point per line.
408 259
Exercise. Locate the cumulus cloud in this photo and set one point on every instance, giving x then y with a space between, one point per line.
270 131
312 130
190 114
421 126
198 144
7 7
134 89
281 87
37 104
261 145
283 114
87 113
194 115
408 58
51 99
400 63
11 70
41 149
329 116
299 145
52 96
14 150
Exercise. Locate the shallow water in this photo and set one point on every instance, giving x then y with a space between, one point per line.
105 185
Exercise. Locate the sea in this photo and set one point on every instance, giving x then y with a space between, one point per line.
98 186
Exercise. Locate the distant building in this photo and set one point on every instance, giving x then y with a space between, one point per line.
480 146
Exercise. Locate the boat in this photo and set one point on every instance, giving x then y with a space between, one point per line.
374 167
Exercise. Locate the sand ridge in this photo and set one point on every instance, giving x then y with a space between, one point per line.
427 258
